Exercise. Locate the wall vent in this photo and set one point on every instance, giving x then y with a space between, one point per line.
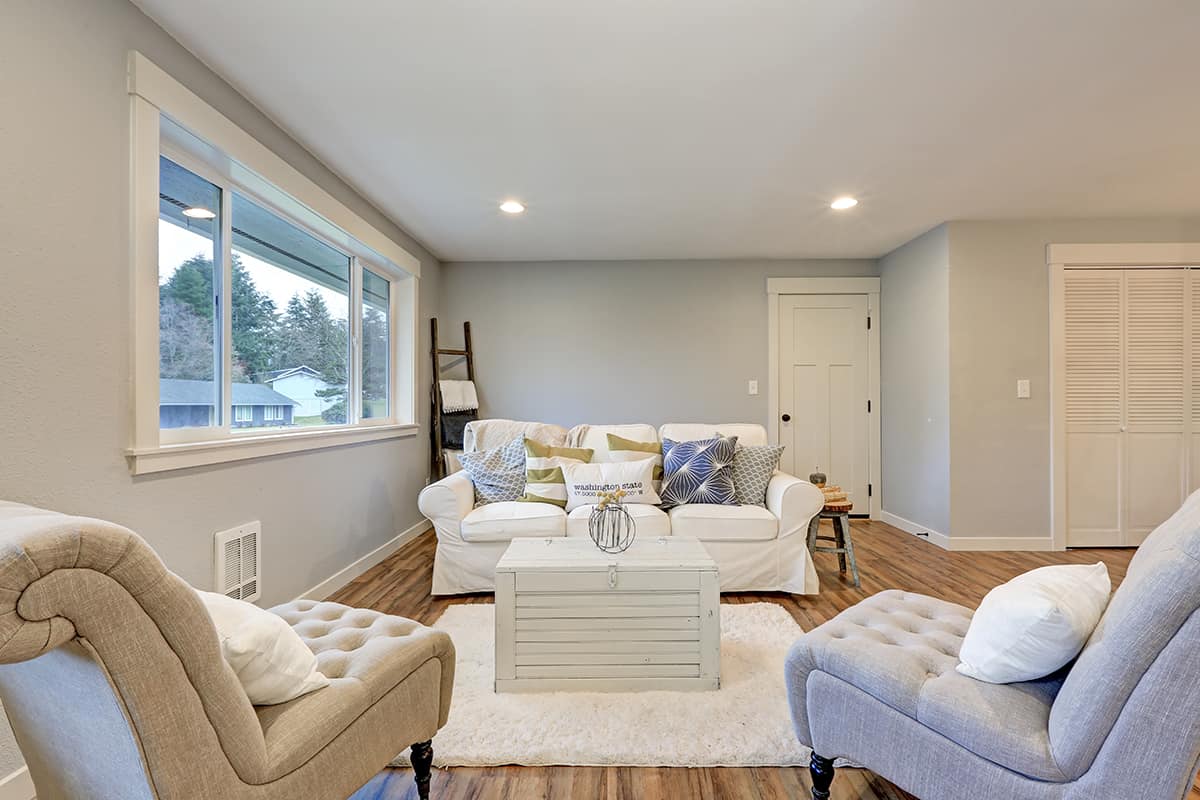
237 560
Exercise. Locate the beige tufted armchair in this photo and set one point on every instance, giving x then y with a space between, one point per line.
113 680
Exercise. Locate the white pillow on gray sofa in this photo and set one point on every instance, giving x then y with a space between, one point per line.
270 659
1034 624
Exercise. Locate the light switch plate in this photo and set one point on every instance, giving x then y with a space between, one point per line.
752 387
1023 389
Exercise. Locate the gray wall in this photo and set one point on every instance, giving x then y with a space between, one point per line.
915 380
999 332
620 341
65 321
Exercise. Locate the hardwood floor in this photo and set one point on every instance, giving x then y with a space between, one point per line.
887 559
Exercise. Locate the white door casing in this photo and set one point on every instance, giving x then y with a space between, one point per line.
824 375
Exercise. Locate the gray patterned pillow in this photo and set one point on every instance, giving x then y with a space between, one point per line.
499 474
752 470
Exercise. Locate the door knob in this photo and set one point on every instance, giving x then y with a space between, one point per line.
786 417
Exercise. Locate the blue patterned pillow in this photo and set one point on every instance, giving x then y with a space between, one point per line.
698 472
499 474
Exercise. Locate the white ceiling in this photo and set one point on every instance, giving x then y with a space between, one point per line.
721 128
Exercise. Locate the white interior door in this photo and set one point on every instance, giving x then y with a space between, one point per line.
1129 406
824 385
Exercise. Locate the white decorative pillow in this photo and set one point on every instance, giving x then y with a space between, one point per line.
270 659
586 482
1034 624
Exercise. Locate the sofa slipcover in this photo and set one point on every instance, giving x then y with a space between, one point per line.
501 522
709 522
756 548
651 521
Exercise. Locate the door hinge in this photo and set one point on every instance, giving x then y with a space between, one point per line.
868 323
868 406
868 490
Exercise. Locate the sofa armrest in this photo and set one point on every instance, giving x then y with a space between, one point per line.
446 502
794 501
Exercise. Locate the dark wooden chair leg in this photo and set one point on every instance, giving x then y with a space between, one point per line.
821 770
422 761
840 523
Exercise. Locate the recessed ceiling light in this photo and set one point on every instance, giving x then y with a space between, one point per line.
842 203
512 207
195 212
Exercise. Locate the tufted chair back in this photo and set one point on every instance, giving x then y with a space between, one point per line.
1138 680
109 664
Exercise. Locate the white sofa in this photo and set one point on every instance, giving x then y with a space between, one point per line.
756 549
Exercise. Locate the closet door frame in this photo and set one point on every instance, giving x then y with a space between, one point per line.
1060 258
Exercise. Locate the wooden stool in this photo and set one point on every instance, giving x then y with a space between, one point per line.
842 543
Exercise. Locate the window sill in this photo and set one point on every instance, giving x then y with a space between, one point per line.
241 448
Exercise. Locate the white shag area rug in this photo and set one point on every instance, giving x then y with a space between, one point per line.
745 723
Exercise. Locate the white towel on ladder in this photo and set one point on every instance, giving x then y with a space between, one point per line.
458 396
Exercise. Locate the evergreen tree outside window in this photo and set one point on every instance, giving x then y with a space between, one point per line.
376 325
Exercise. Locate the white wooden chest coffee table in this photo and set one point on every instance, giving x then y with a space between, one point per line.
571 617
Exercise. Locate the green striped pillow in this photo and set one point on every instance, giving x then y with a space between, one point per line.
543 471
620 449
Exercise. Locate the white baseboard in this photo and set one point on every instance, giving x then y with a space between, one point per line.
344 576
969 543
17 786
908 526
1028 543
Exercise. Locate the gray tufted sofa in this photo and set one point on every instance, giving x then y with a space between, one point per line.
876 685
113 680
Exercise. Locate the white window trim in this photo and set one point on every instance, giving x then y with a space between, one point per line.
268 178
1059 259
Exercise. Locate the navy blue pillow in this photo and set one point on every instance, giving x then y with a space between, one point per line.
698 472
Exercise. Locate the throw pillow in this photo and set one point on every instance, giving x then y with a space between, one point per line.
543 471
621 449
498 474
752 470
586 482
699 471
270 659
1034 624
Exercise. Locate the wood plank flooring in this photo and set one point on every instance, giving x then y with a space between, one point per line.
887 559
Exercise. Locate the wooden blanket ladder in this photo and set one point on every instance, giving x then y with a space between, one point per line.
437 456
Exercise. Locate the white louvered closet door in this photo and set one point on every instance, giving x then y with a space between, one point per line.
1129 389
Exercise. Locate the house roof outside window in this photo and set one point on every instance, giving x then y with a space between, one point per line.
179 392
280 374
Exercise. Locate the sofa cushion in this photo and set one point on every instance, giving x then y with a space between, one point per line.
650 521
747 434
596 437
718 523
366 655
499 522
902 649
